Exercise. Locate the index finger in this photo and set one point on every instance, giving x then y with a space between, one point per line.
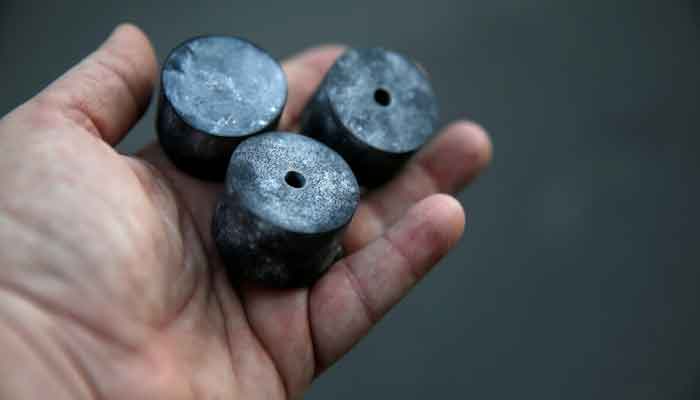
305 72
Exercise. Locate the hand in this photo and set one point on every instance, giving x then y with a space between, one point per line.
110 285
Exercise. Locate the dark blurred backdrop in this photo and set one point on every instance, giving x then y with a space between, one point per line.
578 275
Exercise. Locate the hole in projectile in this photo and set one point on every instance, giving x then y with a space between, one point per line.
382 97
295 179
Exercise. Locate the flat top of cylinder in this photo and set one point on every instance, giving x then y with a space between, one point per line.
294 182
224 86
383 99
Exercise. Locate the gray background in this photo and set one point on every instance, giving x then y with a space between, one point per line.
578 276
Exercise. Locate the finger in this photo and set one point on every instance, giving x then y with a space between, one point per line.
361 288
305 72
446 165
108 91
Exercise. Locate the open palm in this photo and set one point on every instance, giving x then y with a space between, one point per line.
110 285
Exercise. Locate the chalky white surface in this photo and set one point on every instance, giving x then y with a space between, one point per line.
402 126
224 85
257 173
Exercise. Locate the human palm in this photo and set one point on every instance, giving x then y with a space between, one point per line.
110 285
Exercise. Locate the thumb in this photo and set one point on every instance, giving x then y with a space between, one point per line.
108 91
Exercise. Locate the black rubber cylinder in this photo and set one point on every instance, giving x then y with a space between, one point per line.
286 202
376 108
216 91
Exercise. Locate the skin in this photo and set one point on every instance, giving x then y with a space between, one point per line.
110 285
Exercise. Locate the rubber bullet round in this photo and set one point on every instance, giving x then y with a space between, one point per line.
215 92
375 108
287 200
